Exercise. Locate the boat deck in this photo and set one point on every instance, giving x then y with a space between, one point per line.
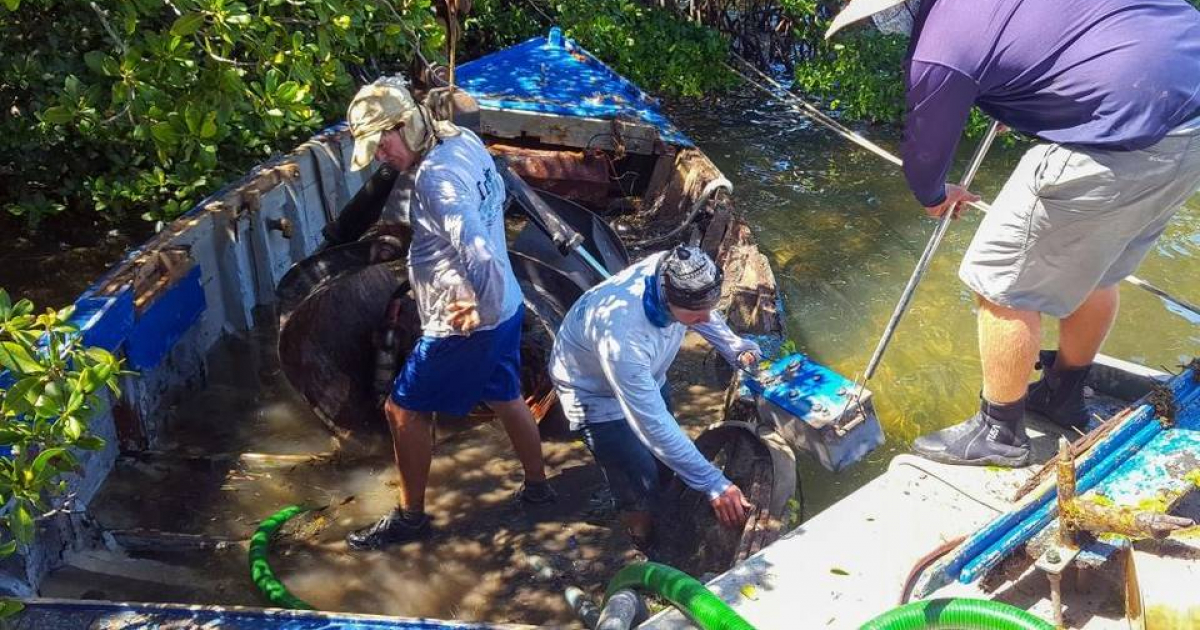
851 562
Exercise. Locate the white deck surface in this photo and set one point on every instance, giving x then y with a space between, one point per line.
848 564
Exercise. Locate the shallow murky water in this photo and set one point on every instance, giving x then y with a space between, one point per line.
844 234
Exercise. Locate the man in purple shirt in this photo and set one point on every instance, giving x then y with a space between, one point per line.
1112 88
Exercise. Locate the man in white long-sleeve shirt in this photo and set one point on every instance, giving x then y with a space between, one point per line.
609 366
469 301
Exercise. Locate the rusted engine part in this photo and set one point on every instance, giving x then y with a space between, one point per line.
579 175
762 467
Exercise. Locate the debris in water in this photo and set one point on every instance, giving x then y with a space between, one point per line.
837 571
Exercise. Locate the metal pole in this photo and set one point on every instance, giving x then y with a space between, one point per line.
930 248
812 112
591 261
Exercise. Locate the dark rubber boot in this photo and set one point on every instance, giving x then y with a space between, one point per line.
1058 396
993 437
394 528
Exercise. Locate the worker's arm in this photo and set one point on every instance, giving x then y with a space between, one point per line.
629 377
462 219
939 101
717 332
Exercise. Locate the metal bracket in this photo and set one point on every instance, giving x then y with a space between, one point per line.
1054 562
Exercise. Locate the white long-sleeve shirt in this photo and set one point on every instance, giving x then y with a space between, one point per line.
610 363
459 251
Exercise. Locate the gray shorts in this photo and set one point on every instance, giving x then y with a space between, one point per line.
1071 220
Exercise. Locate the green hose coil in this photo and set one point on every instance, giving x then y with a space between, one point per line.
956 614
690 596
260 569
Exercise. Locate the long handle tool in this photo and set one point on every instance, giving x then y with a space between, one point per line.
804 108
930 248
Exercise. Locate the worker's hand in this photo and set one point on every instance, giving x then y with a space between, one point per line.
462 316
731 507
955 196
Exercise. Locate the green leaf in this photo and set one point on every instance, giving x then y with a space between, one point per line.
58 115
164 133
89 381
209 128
8 549
187 24
72 428
90 443
12 5
100 355
21 522
16 399
44 458
22 308
16 358
99 62
287 91
5 305
10 607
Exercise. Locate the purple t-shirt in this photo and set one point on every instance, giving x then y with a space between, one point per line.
1117 74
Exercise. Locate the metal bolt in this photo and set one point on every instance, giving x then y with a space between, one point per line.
283 226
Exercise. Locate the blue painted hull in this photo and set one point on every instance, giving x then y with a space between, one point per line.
88 615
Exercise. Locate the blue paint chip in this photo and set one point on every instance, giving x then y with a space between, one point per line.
553 75
165 322
104 321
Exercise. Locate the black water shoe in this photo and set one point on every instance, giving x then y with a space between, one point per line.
1058 396
537 493
396 527
993 437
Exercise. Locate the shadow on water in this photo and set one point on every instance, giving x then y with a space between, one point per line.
844 234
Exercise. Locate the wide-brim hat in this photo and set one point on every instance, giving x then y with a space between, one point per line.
856 10
378 107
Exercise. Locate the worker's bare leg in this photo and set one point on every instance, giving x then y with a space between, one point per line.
1008 347
1083 332
523 433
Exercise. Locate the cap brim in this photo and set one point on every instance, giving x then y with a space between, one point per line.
364 150
855 11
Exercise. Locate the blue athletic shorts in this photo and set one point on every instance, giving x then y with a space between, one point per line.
452 374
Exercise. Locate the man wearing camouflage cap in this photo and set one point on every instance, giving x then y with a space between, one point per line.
609 366
470 304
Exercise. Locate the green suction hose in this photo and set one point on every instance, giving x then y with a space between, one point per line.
956 614
689 595
260 569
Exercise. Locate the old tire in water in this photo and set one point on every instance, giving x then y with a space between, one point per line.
328 337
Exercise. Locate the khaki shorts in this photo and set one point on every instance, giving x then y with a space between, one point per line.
1071 220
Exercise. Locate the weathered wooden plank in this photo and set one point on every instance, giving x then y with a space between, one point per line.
580 133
